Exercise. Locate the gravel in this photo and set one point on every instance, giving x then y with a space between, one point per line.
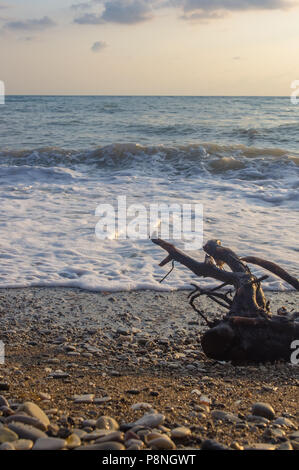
79 374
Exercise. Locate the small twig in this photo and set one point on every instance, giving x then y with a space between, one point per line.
200 313
197 292
198 288
168 272
213 297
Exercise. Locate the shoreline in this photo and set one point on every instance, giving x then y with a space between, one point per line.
118 350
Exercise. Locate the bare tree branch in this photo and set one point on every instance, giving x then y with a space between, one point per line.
273 268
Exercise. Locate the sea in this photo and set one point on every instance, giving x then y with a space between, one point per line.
63 157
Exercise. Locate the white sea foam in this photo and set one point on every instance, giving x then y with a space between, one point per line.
49 197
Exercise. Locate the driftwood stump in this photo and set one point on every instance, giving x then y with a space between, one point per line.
249 331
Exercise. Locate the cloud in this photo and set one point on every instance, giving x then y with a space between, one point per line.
81 6
230 5
127 11
119 11
98 46
137 11
31 24
212 9
202 15
89 18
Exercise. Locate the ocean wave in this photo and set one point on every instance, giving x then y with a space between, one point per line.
22 174
234 161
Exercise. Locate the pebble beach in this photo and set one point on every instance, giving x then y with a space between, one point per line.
125 371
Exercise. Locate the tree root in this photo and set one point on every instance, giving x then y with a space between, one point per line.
249 331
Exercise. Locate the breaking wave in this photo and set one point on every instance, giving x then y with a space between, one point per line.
208 158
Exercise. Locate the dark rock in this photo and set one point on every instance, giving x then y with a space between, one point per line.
210 444
263 409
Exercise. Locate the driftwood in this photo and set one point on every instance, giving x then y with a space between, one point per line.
248 331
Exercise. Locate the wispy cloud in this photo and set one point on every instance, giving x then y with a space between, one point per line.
98 46
81 6
212 9
30 24
89 18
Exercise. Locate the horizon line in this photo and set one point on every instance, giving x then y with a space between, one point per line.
145 95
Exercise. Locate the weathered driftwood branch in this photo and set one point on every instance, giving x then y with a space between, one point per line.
249 331
273 268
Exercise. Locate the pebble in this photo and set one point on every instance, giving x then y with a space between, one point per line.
205 400
36 412
59 375
7 435
141 406
263 409
44 396
162 443
79 432
117 436
89 423
276 433
236 446
123 331
25 419
225 416
92 436
134 444
106 422
133 392
23 444
49 443
6 411
148 435
285 446
294 436
24 431
151 420
210 444
285 422
84 398
73 441
99 401
3 401
257 419
180 433
7 446
103 446
260 446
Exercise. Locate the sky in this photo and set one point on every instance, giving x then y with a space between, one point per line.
149 47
